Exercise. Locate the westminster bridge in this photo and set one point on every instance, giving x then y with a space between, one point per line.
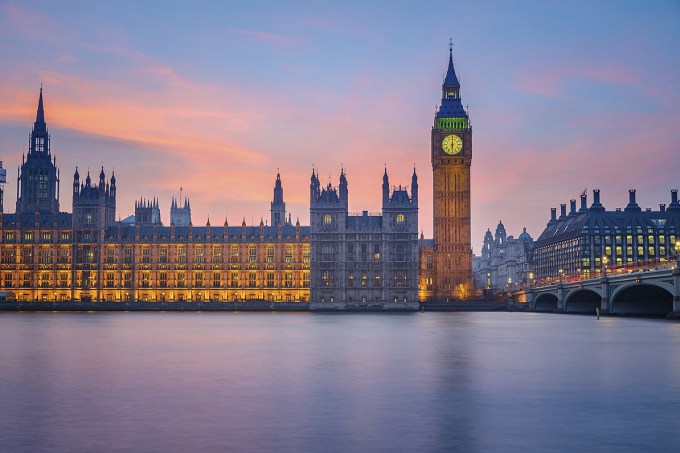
652 291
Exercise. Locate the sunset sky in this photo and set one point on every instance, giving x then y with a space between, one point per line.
216 96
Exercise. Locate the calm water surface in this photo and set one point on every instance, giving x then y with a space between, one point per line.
194 382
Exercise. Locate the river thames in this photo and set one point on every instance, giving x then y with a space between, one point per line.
417 382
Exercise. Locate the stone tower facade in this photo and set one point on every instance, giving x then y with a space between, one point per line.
38 180
451 153
363 260
94 205
147 212
180 216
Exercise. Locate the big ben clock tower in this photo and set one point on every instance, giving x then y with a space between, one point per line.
451 159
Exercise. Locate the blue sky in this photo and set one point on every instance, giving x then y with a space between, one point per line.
216 96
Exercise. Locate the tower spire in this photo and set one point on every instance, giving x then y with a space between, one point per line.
40 117
451 79
40 127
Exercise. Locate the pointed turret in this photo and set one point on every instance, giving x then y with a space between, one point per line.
40 127
278 207
76 181
414 187
451 79
385 188
344 194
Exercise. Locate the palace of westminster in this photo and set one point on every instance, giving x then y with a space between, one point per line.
339 259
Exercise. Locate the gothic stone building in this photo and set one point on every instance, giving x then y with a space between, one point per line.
363 259
48 255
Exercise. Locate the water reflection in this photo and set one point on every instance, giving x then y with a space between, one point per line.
353 382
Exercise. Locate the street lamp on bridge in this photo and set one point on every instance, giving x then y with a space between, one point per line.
605 260
677 253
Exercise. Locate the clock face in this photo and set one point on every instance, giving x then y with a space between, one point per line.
452 144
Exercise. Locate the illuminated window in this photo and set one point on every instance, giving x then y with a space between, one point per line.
327 219
198 252
127 255
44 279
400 218
289 254
146 254
252 254
146 279
270 254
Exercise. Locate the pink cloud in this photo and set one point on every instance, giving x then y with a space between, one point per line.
551 81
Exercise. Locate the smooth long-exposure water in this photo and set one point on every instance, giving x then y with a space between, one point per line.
202 382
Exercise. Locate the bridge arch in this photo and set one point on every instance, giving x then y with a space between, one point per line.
642 299
546 302
582 300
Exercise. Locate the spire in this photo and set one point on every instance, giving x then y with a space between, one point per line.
39 139
451 106
40 117
451 79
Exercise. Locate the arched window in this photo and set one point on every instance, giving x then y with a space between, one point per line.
327 219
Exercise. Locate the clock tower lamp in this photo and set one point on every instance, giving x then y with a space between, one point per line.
451 152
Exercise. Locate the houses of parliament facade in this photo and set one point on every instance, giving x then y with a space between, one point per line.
340 258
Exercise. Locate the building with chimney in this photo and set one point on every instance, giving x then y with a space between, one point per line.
583 242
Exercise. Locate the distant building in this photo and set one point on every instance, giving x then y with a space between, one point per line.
147 212
505 263
180 216
586 241
363 259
